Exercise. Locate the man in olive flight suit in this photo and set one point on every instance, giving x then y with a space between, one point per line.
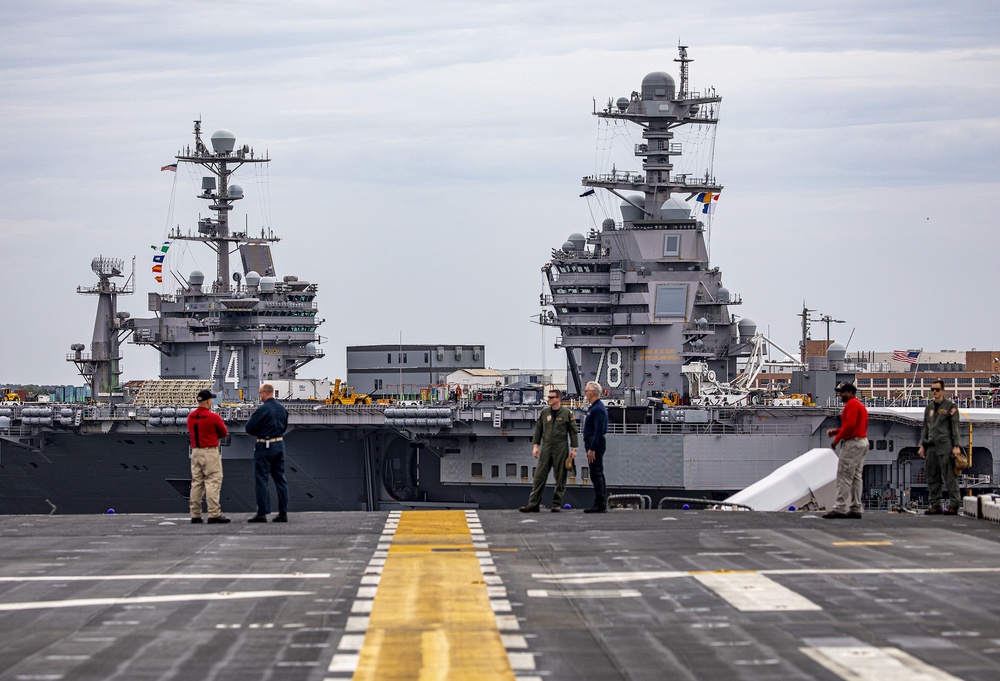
939 445
555 424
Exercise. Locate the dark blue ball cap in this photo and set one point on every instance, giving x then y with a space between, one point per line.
205 395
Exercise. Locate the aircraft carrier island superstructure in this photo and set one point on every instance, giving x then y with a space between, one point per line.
239 332
637 299
640 309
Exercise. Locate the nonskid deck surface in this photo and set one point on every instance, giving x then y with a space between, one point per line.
501 595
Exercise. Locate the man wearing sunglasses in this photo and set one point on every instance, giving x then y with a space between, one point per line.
939 443
555 425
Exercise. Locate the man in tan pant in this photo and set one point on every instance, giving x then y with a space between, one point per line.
205 427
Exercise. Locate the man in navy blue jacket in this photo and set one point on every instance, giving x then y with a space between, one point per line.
594 430
268 423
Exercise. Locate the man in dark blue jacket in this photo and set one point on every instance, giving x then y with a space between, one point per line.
595 427
268 423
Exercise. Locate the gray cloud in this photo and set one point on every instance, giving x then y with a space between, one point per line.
426 158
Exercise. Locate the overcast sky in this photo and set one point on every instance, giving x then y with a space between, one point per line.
427 156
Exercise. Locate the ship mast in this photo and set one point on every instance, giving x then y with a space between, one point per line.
101 367
222 161
658 110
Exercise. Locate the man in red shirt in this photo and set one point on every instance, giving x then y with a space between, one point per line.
205 428
853 438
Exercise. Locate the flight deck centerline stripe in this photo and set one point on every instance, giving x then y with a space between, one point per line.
868 663
749 592
432 615
175 598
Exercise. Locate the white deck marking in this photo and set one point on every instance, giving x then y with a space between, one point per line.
207 575
721 553
351 642
754 592
521 662
514 641
362 607
507 623
639 576
175 598
598 577
357 624
867 663
586 593
344 662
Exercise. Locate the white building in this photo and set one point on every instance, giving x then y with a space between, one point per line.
481 378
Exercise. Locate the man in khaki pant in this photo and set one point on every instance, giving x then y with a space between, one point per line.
853 438
205 428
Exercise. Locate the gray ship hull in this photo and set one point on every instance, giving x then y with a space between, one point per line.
362 466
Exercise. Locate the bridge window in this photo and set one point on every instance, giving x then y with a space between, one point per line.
671 245
671 300
477 470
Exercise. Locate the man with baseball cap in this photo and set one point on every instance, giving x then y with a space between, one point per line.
205 427
853 438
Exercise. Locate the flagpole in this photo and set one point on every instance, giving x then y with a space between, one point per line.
914 380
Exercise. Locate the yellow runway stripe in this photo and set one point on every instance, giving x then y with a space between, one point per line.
431 618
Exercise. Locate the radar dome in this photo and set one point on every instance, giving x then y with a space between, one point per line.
747 328
568 246
658 85
196 278
578 240
608 225
723 294
622 103
630 213
674 209
311 350
223 141
235 191
836 352
252 279
267 284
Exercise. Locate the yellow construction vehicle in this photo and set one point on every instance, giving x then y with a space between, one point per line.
669 398
9 396
344 394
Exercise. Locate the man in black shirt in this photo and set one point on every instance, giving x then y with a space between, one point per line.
594 429
268 423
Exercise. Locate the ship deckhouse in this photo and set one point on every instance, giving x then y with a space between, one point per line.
637 299
240 329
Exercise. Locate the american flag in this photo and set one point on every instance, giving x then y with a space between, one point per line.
172 167
908 356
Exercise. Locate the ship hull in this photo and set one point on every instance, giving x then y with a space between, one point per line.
353 468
